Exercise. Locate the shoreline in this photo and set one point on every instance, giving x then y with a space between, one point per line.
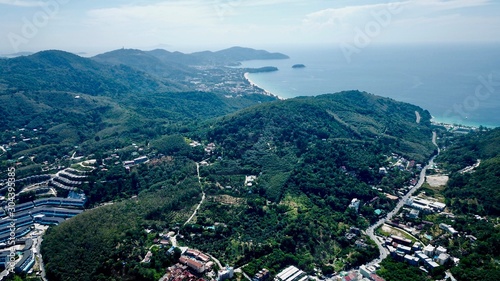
434 120
266 92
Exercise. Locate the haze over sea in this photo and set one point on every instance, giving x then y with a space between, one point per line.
455 83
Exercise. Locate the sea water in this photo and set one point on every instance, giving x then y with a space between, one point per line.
455 83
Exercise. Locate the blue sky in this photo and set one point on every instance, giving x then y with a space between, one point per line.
191 25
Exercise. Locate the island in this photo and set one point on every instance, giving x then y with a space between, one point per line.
298 66
261 69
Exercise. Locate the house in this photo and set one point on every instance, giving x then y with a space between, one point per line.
448 228
355 204
375 277
262 275
352 276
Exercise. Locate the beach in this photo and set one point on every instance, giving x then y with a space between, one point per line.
266 92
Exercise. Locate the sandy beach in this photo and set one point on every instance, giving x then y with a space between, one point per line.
246 75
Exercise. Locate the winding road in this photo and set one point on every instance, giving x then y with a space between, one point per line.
370 230
202 195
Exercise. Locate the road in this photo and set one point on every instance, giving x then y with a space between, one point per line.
38 243
202 195
370 230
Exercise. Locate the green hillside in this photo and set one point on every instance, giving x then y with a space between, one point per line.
310 158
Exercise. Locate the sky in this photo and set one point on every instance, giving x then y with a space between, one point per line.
93 26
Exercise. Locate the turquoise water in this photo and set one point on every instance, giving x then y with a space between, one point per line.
457 84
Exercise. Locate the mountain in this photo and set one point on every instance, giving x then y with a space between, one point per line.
278 182
176 64
61 71
76 99
156 62
238 54
483 182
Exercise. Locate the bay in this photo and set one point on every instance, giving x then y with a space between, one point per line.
456 83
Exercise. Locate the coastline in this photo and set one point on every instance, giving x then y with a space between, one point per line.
266 92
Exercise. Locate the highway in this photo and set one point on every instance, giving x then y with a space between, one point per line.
370 230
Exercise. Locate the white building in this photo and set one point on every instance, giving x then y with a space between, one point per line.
355 204
429 250
226 273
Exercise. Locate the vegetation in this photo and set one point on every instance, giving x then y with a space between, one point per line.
309 157
399 271
471 194
108 242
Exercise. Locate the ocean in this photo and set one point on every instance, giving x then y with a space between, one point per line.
457 84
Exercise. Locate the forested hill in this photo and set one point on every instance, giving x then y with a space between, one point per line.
307 158
75 100
473 196
349 116
160 60
61 71
476 192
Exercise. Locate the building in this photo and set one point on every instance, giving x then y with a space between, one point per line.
291 273
414 214
26 262
442 258
430 264
401 240
448 228
141 160
262 275
195 265
411 260
429 250
355 202
366 271
352 276
375 277
416 246
226 273
404 249
441 250
421 256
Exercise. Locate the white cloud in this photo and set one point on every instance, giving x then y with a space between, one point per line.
22 3
163 13
352 15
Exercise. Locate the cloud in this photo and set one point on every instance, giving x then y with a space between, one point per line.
22 3
176 13
353 15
